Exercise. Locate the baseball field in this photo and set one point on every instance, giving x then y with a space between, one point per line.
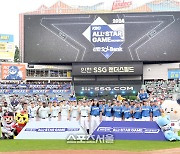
46 145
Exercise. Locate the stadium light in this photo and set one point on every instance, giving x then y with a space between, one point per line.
91 92
123 92
112 92
81 92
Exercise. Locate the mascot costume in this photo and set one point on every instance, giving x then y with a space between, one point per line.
165 125
21 120
172 108
8 124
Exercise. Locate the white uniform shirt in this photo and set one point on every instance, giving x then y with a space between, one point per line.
65 110
74 111
32 111
44 112
84 110
5 109
55 111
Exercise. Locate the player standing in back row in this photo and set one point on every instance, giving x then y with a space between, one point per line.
74 113
84 113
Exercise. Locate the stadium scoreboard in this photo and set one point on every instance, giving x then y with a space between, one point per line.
113 37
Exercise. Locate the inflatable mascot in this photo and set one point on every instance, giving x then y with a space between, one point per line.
165 125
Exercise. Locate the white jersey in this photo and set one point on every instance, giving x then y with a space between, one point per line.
44 112
5 109
32 112
55 111
74 111
65 110
84 110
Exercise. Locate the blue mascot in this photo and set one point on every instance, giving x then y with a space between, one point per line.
13 73
165 125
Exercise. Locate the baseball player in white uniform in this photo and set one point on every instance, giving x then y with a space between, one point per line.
74 114
55 110
32 112
84 112
64 110
5 107
44 112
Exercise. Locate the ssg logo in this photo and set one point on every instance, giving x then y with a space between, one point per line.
106 38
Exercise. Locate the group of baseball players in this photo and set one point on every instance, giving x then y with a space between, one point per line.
89 113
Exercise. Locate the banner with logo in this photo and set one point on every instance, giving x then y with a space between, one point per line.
13 71
32 86
34 91
50 130
134 130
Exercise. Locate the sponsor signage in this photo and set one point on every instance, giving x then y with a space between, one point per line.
13 71
98 88
134 130
174 74
7 48
121 4
50 130
34 91
110 69
106 89
6 38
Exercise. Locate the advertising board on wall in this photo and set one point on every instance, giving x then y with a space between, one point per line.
7 48
13 71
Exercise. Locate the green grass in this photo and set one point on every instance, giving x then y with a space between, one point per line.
30 145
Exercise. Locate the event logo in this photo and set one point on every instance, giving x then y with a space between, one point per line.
128 130
106 38
52 129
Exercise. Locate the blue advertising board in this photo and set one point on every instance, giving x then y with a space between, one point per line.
6 38
33 91
130 130
174 74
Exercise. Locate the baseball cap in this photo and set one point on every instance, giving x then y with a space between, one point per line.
126 103
95 99
84 101
155 101
151 101
109 101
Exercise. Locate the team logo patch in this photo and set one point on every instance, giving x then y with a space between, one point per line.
106 38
